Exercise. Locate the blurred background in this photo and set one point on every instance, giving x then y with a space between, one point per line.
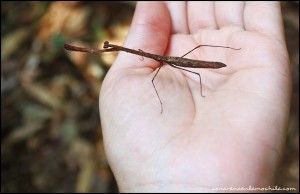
51 137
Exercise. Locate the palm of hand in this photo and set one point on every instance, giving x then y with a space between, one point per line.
211 139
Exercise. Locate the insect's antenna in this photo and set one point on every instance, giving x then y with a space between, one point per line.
87 49
208 46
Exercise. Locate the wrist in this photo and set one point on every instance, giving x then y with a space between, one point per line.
164 187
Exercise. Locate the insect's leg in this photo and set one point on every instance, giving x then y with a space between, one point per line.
190 51
190 72
209 46
161 108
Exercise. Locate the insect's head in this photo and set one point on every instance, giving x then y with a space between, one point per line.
106 44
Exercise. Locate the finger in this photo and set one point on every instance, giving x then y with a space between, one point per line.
264 18
229 14
178 16
201 15
150 30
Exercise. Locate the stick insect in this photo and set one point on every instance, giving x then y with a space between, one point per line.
175 62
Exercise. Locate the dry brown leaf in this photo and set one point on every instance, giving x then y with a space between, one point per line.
85 176
91 71
42 95
94 69
23 132
58 86
11 42
83 152
63 17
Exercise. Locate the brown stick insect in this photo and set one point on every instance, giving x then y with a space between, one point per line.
176 62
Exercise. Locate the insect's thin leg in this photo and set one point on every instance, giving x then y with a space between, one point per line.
190 51
190 72
161 108
209 46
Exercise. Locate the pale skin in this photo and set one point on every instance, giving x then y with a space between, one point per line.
234 135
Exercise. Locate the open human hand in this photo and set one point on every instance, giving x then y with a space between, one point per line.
233 136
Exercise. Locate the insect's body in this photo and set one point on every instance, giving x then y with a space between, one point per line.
191 63
176 62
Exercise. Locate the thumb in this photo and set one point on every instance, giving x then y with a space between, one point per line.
150 31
